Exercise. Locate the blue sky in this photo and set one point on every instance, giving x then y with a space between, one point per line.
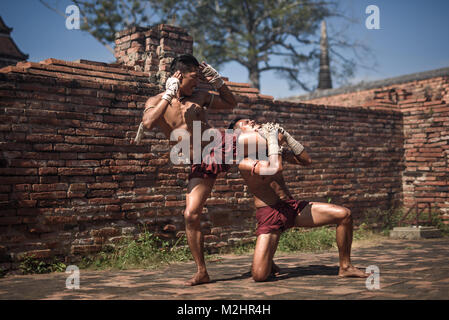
413 37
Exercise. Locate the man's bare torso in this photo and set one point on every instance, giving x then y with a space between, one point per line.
181 114
267 190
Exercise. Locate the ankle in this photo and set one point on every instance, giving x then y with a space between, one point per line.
202 271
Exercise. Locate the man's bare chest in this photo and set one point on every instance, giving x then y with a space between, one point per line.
184 112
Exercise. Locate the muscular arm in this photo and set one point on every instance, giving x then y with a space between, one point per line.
155 108
225 100
302 159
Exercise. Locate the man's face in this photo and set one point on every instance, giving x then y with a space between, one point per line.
189 82
247 125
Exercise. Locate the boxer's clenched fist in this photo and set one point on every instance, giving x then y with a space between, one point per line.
211 75
294 145
172 86
268 127
270 132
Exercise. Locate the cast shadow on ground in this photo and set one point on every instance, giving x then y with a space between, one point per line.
295 272
302 271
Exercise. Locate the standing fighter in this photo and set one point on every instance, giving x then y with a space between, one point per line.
177 108
277 210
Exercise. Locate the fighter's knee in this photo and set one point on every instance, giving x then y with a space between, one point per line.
191 216
259 277
345 214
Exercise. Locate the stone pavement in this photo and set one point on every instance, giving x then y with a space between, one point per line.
416 269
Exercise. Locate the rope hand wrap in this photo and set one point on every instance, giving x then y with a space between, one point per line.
216 80
171 89
269 131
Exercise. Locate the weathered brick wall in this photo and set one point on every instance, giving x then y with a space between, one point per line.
423 103
152 49
388 97
426 146
71 181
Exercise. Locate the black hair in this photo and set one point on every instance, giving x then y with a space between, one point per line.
184 63
234 122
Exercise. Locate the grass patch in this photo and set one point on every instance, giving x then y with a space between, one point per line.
150 252
307 240
31 265
304 240
239 248
382 221
147 251
316 239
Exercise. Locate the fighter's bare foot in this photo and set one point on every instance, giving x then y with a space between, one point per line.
352 272
198 278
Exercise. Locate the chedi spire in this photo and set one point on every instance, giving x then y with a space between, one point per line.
324 78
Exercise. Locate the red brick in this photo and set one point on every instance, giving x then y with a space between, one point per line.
48 195
50 187
36 254
75 171
103 185
105 232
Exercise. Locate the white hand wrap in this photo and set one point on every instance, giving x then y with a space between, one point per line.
296 147
171 89
270 132
216 80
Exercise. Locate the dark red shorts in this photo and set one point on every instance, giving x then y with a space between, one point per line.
209 166
280 216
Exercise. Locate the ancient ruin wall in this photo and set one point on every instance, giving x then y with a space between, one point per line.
432 88
71 181
426 147
422 98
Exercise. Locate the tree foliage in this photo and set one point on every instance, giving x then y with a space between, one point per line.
261 35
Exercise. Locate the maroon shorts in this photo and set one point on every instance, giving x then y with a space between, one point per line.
280 216
211 167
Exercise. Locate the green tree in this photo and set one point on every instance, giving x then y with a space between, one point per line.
260 35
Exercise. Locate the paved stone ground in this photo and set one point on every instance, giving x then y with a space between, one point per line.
408 270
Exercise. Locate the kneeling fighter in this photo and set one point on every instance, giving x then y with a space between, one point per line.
277 210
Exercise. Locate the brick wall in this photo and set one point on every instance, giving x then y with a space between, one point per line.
71 182
152 49
426 146
423 103
388 96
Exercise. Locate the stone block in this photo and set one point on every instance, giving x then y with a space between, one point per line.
415 233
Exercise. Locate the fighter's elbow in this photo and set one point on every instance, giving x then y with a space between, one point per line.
275 169
148 123
279 168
